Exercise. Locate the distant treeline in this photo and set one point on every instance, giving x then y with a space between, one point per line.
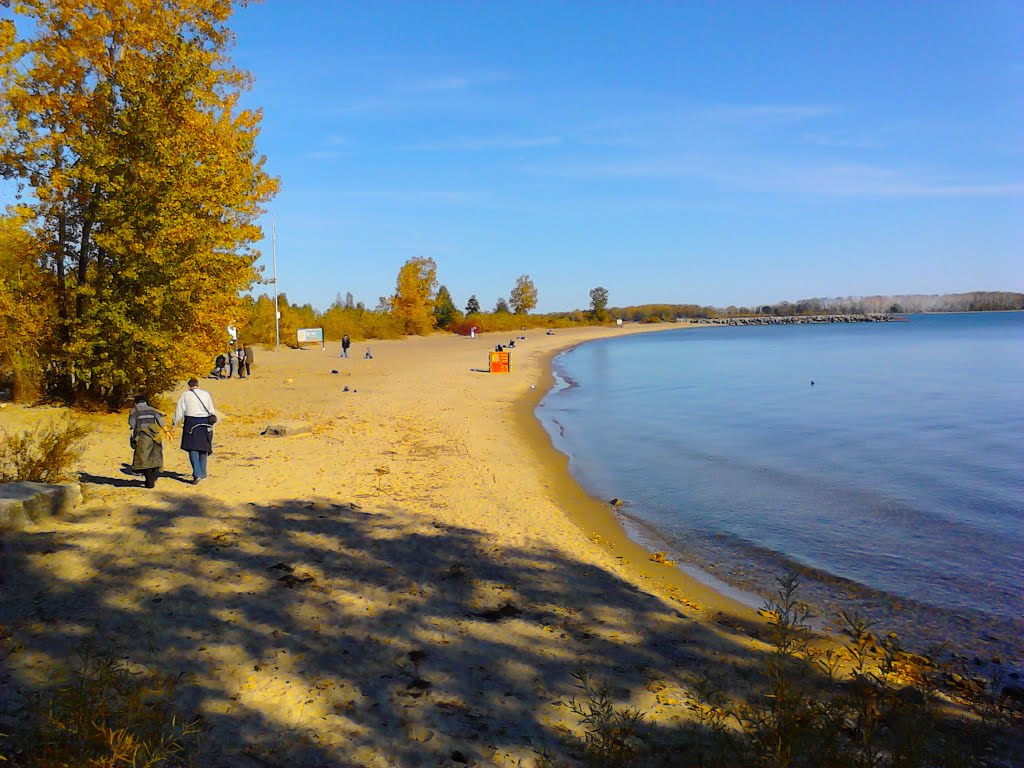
976 301
347 316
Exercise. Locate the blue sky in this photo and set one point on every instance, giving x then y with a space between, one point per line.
716 153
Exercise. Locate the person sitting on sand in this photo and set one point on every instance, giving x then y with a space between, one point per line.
218 367
368 355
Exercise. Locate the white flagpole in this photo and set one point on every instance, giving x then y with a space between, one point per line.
277 313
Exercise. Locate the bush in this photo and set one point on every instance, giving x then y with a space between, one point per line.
102 714
43 455
865 704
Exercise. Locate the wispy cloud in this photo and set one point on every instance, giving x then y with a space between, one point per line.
324 154
488 143
753 174
456 82
874 181
839 140
451 83
765 113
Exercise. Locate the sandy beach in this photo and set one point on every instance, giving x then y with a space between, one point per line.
417 576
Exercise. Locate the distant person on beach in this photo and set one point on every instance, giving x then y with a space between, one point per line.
147 425
346 342
232 361
195 413
250 358
368 355
218 367
240 354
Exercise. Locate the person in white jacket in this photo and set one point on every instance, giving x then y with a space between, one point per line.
195 412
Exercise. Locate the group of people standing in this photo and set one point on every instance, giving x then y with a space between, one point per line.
238 358
194 412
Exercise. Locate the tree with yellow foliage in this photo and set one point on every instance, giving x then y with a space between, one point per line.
144 183
524 296
415 293
25 310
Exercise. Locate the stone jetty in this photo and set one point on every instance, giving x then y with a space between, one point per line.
799 319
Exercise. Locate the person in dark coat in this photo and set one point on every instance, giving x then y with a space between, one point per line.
346 342
195 413
250 358
147 425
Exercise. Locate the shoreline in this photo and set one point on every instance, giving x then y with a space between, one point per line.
598 520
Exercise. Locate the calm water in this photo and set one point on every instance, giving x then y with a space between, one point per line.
896 479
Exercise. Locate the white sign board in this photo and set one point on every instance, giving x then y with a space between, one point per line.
310 336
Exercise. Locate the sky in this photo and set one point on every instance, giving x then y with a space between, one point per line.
726 153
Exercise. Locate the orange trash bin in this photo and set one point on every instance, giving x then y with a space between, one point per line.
501 362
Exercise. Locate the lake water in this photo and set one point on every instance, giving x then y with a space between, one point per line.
895 480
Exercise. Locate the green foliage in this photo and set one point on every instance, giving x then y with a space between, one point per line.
445 312
102 714
524 295
501 307
46 454
473 305
599 303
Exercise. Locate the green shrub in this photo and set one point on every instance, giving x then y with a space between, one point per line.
46 454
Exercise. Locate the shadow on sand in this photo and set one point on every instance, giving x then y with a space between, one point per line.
310 633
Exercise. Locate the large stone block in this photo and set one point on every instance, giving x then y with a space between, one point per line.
286 428
24 503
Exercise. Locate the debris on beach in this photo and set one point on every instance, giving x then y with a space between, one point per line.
661 557
506 611
291 580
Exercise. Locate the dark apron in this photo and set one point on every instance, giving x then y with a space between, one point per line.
197 434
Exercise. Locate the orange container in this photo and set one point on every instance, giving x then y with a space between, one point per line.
501 362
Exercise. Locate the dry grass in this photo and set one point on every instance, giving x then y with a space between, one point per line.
46 454
102 714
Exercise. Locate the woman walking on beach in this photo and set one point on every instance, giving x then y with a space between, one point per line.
147 425
195 412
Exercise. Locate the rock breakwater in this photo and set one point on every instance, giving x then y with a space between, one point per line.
799 319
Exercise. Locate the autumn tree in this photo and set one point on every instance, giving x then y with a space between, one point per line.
472 306
599 303
445 311
415 294
26 311
143 182
524 296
